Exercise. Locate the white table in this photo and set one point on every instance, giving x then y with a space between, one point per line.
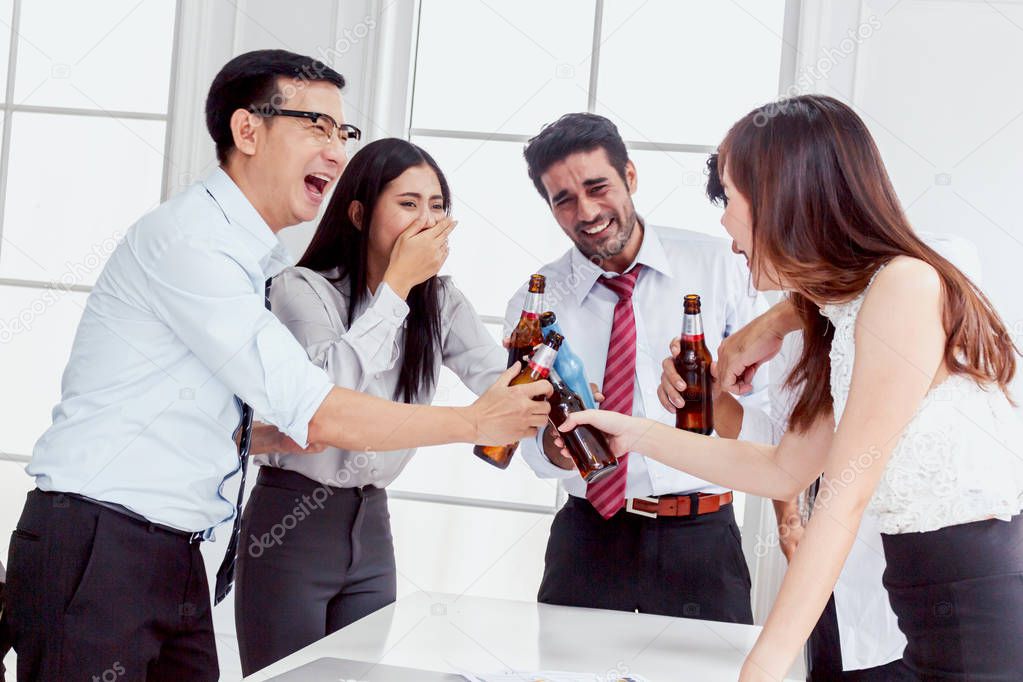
444 632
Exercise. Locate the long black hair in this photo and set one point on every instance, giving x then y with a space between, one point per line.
338 243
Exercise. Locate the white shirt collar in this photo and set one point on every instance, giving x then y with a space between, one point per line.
584 272
238 210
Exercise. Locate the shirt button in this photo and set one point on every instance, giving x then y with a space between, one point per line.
377 375
373 472
398 311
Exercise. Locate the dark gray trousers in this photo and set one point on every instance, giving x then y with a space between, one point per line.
958 594
312 559
688 567
95 594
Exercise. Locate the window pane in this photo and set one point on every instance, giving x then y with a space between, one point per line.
685 70
75 183
454 470
37 327
519 66
6 14
505 231
672 192
112 55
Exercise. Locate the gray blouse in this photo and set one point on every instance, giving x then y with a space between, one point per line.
367 358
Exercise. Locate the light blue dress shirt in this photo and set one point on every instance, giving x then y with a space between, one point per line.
173 331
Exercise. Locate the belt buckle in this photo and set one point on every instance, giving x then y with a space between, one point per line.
632 509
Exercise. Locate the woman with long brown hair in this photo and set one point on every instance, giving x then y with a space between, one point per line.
904 402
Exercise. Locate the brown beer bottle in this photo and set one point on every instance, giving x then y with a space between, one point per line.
539 367
693 363
527 333
587 445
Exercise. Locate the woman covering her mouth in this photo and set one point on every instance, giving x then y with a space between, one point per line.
366 302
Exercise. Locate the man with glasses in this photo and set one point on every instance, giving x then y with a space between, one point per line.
322 126
174 353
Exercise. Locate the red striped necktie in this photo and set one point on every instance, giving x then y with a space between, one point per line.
607 495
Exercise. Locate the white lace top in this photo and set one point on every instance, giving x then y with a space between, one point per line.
960 458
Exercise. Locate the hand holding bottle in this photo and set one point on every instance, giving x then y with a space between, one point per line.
625 433
672 385
507 414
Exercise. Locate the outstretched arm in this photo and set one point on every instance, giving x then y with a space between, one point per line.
775 471
503 414
899 353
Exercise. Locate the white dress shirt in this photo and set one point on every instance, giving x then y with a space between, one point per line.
367 357
867 627
173 331
677 262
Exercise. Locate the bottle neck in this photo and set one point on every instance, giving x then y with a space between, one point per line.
543 360
553 327
557 382
533 306
692 327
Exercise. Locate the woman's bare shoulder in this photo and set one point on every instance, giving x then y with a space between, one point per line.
905 279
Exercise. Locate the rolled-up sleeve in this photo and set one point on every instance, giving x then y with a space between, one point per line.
768 424
744 306
351 357
759 427
214 304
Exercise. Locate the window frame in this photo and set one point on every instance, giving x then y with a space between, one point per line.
8 108
786 77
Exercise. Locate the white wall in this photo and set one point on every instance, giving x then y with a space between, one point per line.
937 83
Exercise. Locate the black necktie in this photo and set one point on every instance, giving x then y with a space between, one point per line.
225 574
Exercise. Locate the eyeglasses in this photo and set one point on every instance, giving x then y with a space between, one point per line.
323 127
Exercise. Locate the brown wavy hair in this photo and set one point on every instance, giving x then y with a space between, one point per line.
825 217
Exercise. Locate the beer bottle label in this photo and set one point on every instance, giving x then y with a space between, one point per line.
543 360
692 327
533 306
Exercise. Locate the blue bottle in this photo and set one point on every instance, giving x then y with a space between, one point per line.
568 365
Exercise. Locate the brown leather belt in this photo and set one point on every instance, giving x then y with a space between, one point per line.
678 505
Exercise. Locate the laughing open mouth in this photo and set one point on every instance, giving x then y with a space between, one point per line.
316 183
598 228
